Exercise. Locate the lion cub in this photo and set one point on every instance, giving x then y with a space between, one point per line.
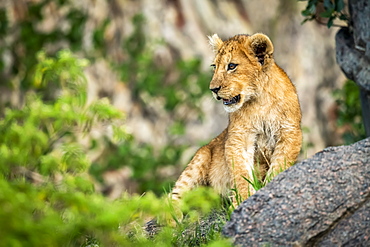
264 119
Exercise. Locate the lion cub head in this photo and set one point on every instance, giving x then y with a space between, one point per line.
240 67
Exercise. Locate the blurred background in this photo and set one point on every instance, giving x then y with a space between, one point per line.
151 60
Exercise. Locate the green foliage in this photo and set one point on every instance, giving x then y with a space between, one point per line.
349 112
202 199
48 198
47 216
332 10
51 74
62 216
43 135
151 82
180 87
145 162
48 195
3 22
204 218
42 138
28 39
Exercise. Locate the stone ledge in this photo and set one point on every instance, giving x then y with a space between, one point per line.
321 201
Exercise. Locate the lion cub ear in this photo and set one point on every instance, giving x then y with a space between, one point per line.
215 42
261 47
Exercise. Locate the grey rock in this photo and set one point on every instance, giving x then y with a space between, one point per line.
321 201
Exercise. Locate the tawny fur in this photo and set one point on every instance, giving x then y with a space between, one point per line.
264 125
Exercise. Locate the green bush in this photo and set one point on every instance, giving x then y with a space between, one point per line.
27 39
43 135
145 163
47 196
48 181
180 87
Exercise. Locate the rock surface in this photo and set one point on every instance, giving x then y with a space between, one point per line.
322 201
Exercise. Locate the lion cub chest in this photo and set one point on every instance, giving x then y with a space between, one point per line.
267 135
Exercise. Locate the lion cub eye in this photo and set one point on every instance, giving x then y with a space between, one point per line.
231 66
213 66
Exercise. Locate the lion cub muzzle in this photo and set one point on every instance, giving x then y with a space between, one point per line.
231 101
215 90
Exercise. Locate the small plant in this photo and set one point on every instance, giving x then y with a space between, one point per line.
257 182
327 9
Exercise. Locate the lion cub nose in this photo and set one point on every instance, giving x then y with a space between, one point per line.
215 90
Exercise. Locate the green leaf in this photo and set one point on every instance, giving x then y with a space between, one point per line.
330 21
339 5
103 110
306 12
329 5
327 14
49 164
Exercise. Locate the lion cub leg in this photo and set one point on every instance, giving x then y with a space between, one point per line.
286 151
239 153
195 174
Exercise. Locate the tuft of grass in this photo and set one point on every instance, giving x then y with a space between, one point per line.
204 217
257 182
